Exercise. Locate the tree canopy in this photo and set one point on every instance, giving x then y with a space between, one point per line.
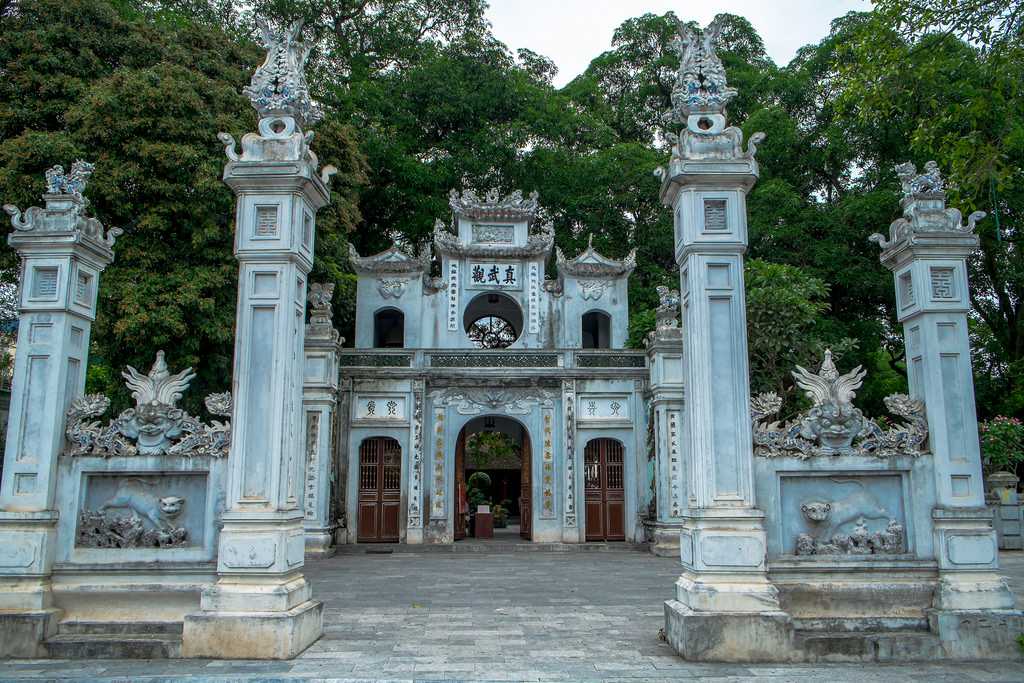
421 98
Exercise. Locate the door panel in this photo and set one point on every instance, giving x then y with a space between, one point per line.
380 490
604 492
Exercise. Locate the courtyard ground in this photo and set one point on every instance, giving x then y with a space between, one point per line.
536 616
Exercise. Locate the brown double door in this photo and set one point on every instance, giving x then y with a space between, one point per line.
380 490
605 498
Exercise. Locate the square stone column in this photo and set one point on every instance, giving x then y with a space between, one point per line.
665 354
319 401
725 607
261 606
63 253
927 252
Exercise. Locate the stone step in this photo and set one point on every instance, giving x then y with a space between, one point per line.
114 646
868 646
120 627
861 624
488 547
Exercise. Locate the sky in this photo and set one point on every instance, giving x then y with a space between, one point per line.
572 32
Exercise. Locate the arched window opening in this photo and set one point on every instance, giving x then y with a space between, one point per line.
389 329
597 330
493 321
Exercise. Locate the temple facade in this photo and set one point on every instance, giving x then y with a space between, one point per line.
493 345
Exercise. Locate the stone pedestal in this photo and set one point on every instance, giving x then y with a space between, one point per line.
63 253
927 252
665 354
319 401
261 607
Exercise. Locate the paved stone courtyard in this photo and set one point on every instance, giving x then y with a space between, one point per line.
533 616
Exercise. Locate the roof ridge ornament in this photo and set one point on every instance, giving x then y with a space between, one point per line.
924 210
493 206
278 88
590 263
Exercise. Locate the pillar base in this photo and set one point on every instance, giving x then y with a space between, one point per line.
979 633
320 544
253 635
729 636
22 632
973 591
665 538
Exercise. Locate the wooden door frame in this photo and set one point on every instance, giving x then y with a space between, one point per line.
604 507
459 470
357 471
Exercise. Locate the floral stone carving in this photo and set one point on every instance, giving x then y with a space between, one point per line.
833 426
860 541
155 426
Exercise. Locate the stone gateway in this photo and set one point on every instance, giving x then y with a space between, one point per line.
821 536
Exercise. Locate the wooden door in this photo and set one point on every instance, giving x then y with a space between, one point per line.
380 490
526 489
604 492
461 505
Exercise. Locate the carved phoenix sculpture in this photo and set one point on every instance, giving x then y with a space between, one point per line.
833 425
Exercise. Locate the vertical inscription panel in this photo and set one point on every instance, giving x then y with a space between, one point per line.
725 422
35 434
256 416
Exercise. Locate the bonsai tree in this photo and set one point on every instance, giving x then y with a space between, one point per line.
476 490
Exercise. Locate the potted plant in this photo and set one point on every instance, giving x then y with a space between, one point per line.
1002 449
476 494
500 513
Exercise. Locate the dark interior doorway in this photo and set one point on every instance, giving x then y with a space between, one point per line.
498 448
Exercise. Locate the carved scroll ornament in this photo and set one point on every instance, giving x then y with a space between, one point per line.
155 426
833 426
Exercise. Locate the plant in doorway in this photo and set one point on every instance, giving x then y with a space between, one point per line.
476 494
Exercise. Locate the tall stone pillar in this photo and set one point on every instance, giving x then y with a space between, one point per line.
319 401
63 253
260 607
665 353
724 585
927 253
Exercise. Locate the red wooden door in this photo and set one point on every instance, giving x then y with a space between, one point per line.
604 493
380 490
526 490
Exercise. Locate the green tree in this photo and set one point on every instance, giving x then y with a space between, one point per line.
145 99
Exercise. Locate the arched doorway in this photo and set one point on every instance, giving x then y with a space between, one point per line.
498 448
604 490
380 490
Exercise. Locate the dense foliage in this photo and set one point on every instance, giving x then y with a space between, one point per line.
422 98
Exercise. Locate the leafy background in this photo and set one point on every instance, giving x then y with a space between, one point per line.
421 98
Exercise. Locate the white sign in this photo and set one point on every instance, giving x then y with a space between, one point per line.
494 274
